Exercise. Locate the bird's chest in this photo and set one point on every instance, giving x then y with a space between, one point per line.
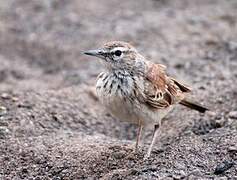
115 86
118 92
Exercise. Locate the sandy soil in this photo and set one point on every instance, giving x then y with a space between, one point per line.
53 127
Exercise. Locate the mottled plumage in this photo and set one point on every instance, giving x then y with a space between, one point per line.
136 90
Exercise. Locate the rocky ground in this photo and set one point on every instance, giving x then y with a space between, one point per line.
51 123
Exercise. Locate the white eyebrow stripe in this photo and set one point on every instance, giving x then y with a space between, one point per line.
119 48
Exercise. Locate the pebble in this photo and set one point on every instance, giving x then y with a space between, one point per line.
8 96
233 114
211 113
232 46
15 99
3 110
3 131
221 178
5 96
196 172
232 149
222 167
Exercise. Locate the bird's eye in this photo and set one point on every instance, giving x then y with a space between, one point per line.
118 53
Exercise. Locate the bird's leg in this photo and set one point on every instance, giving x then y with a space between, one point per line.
155 134
139 132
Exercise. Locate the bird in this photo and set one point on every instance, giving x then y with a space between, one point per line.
136 90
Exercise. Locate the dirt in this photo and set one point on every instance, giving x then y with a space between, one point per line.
51 123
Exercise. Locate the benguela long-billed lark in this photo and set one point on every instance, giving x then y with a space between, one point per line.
136 90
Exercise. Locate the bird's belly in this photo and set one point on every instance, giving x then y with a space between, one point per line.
132 112
118 106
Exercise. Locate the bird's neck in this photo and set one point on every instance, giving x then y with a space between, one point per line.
120 72
137 67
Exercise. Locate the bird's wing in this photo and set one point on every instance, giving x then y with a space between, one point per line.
161 90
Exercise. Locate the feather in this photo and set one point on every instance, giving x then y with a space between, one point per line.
193 105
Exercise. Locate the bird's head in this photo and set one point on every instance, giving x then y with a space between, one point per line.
118 55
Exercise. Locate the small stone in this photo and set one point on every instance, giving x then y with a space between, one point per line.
233 114
232 149
211 113
222 178
222 167
15 99
220 100
218 123
8 96
182 173
3 110
5 96
119 155
176 177
232 46
196 172
3 131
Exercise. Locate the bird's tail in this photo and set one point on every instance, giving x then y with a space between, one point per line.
193 105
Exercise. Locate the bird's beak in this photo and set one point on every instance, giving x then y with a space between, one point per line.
97 52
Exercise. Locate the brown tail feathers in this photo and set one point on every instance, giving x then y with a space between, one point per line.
194 105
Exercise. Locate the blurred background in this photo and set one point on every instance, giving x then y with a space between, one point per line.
51 123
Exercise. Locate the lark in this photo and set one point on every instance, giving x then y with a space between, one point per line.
136 90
